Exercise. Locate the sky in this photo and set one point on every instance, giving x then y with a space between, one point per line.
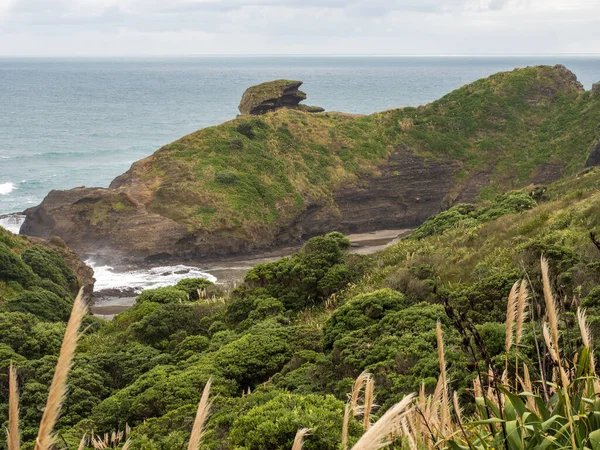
240 27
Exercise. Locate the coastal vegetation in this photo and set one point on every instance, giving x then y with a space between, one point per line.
475 331
496 346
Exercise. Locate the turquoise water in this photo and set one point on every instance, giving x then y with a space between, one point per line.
74 122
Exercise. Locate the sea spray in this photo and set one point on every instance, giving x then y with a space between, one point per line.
138 280
6 188
12 222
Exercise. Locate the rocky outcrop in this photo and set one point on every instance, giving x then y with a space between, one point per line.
406 191
274 95
596 89
257 183
594 158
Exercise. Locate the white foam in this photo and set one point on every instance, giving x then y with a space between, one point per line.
6 188
12 223
108 278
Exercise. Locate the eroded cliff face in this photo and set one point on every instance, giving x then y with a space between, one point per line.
110 223
260 182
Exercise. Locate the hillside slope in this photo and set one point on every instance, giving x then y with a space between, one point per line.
269 180
283 348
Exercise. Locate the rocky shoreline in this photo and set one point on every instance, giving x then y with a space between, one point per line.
108 302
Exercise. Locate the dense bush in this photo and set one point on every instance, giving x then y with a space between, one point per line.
274 424
467 215
12 268
43 304
315 272
360 312
168 294
192 285
50 265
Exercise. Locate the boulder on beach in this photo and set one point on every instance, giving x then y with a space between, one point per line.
274 95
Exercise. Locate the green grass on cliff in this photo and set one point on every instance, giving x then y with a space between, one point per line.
254 173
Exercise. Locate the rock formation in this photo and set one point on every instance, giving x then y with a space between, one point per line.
274 95
259 182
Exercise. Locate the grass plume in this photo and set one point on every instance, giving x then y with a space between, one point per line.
359 383
299 439
13 437
378 435
58 388
201 416
511 312
445 410
369 400
345 425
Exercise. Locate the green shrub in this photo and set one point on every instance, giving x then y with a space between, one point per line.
274 424
43 304
226 177
360 312
12 268
315 272
192 285
46 263
157 327
168 294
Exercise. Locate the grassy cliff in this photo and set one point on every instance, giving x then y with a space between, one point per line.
275 179
263 170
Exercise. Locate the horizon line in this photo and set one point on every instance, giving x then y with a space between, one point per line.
304 55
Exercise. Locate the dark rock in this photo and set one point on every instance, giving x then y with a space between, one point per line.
310 109
274 95
594 158
596 89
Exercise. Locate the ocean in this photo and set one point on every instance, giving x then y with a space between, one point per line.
74 122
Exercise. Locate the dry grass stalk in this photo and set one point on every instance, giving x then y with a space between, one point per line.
551 309
511 312
378 435
406 433
521 313
82 443
299 439
457 408
359 383
445 409
345 426
477 389
58 388
528 387
369 399
201 416
586 336
552 314
13 436
126 445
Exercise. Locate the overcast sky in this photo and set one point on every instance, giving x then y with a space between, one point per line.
399 27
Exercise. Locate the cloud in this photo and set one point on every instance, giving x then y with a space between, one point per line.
107 27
